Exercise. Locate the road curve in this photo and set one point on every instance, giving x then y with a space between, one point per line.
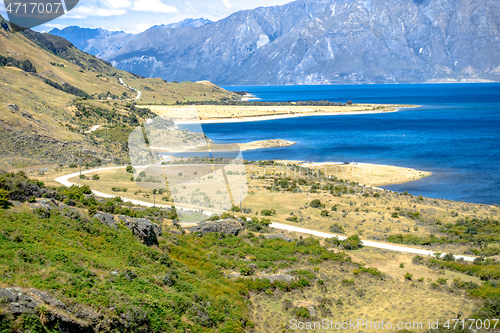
64 180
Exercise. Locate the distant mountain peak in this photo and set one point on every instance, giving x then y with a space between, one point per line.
323 42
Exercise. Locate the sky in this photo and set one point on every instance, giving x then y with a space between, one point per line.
138 15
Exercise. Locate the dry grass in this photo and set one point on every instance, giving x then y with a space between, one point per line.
393 299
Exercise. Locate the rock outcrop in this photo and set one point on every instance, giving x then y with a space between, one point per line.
147 231
75 318
224 226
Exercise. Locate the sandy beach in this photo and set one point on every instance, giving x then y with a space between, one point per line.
231 114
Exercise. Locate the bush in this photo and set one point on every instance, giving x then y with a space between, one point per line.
96 177
324 212
268 212
352 243
4 198
316 204
408 276
448 257
337 228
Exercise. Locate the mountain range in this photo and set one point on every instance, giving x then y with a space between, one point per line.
316 42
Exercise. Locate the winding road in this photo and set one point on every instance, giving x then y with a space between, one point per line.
64 180
139 93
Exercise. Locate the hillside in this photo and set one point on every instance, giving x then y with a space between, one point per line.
73 262
52 94
325 42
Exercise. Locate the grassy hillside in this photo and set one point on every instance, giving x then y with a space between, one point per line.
106 279
52 93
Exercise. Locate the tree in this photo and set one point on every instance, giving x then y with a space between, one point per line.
27 66
129 169
349 102
96 177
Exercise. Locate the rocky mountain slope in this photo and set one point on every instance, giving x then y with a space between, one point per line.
327 42
105 43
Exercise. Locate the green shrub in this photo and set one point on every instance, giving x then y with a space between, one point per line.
268 212
4 198
408 276
352 243
316 204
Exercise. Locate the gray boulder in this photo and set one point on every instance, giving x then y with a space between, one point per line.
147 231
224 226
279 236
106 219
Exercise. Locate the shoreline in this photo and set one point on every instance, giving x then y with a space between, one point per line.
360 165
285 116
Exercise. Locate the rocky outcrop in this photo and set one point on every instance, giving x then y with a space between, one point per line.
224 226
106 219
52 312
147 231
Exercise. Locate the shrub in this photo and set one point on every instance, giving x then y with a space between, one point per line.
96 177
418 260
333 240
268 212
352 243
441 281
316 204
324 212
408 276
448 257
336 228
4 198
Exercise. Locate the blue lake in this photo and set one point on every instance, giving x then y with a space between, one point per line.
455 134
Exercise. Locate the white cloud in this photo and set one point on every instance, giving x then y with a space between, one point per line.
82 12
119 3
227 4
154 6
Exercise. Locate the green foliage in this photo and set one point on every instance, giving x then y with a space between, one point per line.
268 212
316 204
75 251
96 177
352 243
369 270
4 198
408 276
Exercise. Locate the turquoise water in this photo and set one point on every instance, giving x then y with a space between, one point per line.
455 134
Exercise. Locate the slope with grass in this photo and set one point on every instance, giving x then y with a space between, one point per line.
51 94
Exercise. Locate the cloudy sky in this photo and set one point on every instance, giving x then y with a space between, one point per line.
138 15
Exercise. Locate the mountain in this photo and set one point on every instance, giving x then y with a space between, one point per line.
104 43
193 23
328 42
98 42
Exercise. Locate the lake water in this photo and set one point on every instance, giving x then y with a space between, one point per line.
455 134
